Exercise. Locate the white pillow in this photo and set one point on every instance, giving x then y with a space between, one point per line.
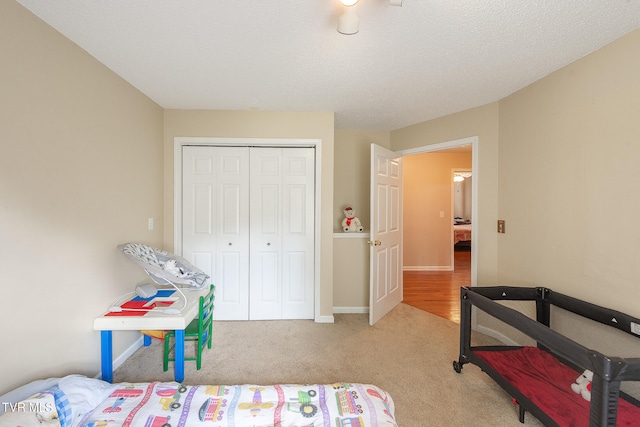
84 394
38 410
25 391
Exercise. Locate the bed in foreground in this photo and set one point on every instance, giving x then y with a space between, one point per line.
83 402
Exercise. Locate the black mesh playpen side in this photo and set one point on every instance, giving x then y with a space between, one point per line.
608 371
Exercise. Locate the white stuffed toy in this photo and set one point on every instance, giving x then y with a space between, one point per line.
351 222
172 268
582 386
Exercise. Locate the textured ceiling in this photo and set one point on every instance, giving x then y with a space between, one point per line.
407 64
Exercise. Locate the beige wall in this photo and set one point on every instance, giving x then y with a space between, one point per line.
428 241
258 124
351 175
351 273
569 186
80 172
483 123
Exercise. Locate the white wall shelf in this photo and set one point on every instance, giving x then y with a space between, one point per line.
355 235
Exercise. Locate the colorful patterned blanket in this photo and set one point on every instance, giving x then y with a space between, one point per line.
172 404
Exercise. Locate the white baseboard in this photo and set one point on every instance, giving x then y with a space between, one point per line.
427 268
324 319
118 361
497 335
351 310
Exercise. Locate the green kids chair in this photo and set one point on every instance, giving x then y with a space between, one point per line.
198 330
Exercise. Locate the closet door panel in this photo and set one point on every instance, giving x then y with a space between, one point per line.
295 210
294 275
202 212
232 240
269 212
267 264
219 180
298 180
231 196
232 274
198 216
203 260
229 274
266 229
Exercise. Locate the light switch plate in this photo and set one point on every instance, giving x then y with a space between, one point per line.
501 226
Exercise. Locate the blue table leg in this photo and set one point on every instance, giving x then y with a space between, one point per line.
106 350
147 340
179 353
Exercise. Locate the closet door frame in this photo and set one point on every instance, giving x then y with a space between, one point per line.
179 142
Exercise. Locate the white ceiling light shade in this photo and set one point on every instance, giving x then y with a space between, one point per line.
460 176
349 21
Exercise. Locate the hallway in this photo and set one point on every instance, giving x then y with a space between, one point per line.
438 292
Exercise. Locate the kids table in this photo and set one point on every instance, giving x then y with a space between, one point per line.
143 318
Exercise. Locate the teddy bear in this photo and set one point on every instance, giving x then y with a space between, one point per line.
351 222
582 386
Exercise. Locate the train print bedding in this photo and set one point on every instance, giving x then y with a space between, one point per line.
170 404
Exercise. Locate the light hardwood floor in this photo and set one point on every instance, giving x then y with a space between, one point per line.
438 292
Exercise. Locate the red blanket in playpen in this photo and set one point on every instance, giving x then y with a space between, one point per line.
547 383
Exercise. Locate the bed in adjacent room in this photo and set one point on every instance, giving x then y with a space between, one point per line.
461 233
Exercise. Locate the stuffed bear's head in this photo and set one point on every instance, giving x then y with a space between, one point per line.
585 379
349 212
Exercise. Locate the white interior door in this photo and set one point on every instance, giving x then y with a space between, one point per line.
215 215
282 233
386 232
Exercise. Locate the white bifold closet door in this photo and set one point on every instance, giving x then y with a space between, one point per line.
215 222
248 221
282 233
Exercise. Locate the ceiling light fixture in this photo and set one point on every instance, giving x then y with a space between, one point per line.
461 176
349 21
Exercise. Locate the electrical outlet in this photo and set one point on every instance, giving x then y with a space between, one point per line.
501 226
150 224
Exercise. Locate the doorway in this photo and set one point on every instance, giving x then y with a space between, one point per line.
436 270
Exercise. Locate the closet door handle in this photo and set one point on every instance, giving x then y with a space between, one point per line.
230 243
268 244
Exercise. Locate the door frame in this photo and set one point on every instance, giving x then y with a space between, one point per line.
180 141
474 142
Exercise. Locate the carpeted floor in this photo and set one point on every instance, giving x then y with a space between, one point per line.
408 353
